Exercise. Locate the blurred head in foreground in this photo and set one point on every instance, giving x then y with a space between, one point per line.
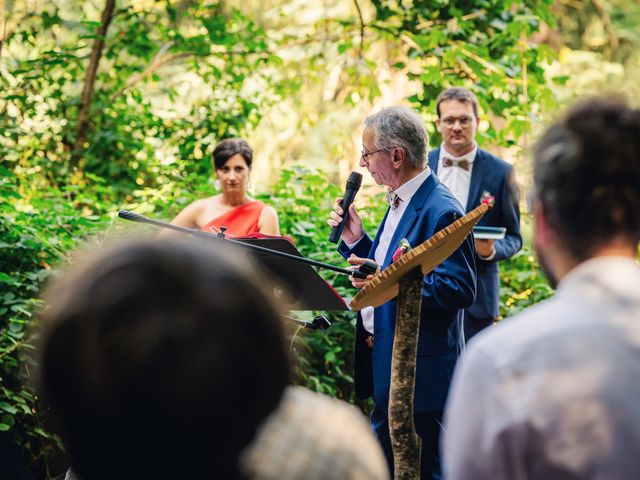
160 360
587 185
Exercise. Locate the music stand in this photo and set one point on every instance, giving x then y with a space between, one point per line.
298 285
305 288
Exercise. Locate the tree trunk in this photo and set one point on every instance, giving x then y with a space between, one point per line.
404 439
3 26
90 78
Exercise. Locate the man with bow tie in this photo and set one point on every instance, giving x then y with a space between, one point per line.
474 176
395 154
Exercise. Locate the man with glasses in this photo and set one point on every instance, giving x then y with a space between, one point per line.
475 176
395 154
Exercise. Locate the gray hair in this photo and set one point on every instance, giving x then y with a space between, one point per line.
400 127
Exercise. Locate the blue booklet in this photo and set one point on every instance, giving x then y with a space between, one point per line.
489 233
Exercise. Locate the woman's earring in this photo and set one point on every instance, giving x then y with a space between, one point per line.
216 184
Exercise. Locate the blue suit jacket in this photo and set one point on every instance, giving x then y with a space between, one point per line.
493 175
449 288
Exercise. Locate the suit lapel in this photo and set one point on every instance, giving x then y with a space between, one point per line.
410 215
476 180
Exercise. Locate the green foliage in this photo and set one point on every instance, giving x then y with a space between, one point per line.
219 63
609 28
37 229
481 44
600 50
522 283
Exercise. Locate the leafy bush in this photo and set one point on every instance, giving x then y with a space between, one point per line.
37 230
522 283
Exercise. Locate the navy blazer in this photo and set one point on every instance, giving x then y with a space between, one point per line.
448 289
493 175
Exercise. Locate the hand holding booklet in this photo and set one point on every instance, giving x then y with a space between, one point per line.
483 232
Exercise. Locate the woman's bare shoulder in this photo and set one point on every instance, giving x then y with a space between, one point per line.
194 213
268 221
204 204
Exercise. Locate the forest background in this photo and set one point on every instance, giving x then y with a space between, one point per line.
110 104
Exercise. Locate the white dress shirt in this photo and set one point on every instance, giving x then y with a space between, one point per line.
405 192
554 392
457 179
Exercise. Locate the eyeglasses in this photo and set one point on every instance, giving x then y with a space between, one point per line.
364 155
449 122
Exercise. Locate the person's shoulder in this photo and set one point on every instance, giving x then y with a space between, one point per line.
518 335
268 220
308 413
496 163
447 203
335 436
309 401
203 203
268 209
193 215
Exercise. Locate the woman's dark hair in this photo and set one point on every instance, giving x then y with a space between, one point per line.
230 147
587 175
159 359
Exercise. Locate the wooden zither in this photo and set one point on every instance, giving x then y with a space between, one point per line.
428 255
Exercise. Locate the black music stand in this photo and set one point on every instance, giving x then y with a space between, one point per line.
296 285
305 288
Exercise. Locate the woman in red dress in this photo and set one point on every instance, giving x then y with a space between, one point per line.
232 208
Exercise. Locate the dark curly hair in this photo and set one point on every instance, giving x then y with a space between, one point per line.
230 147
587 175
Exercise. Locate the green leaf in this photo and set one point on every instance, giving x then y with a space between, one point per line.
9 280
8 408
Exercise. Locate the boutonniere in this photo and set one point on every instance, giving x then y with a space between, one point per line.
404 247
487 199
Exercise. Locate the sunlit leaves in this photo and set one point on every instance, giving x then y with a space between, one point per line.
479 44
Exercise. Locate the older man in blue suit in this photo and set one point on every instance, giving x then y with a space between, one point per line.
395 154
474 176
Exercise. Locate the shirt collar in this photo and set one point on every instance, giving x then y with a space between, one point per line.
410 187
469 156
620 273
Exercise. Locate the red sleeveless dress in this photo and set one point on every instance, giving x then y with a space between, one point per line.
240 222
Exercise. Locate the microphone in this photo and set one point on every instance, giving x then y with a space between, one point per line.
131 216
353 185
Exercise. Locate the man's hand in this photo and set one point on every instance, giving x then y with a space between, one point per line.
356 262
353 230
485 248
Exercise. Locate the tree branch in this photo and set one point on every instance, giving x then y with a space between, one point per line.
3 25
158 61
606 19
362 25
90 78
